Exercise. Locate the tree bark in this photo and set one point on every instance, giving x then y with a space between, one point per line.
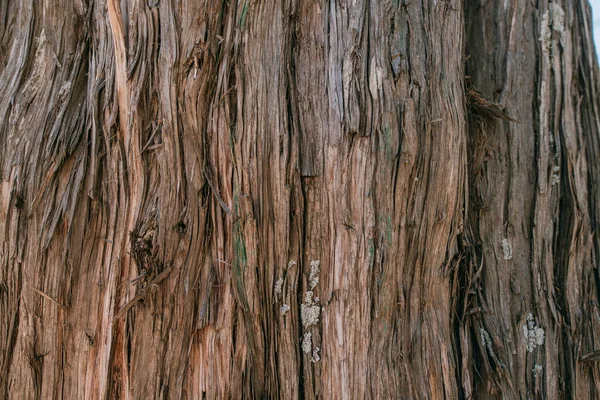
299 199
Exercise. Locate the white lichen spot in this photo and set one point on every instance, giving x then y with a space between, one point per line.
307 343
284 309
537 369
278 286
315 355
309 310
534 335
313 278
507 249
291 263
309 313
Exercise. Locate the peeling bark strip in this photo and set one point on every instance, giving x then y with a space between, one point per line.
298 199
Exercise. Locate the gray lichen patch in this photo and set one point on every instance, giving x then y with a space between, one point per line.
309 314
313 278
309 311
307 343
507 249
553 20
534 335
555 177
278 286
310 308
558 19
284 309
487 341
315 355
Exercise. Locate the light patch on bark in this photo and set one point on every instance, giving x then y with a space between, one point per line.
347 69
533 334
284 309
39 61
307 342
315 355
487 340
122 87
558 19
5 190
64 89
313 278
376 77
309 311
553 20
537 370
555 177
507 249
278 286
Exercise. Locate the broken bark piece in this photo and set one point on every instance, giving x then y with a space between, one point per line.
485 109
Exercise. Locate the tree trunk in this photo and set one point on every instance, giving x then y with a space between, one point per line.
299 199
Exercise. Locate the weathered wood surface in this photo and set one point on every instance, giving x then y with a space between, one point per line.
297 199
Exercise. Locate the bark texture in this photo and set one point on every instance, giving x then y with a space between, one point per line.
299 199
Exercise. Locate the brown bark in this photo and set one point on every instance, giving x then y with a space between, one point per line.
535 191
298 199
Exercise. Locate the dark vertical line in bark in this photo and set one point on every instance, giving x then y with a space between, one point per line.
473 354
294 167
12 341
564 233
293 172
301 262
